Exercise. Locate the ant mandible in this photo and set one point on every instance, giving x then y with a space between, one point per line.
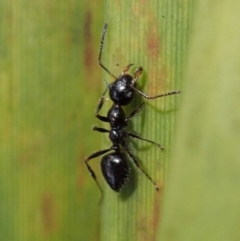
114 165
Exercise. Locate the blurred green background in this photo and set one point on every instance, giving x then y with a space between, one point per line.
49 87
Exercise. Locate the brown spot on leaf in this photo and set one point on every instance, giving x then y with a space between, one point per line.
157 81
153 43
88 49
156 213
47 210
82 170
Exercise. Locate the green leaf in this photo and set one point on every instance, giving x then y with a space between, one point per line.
154 35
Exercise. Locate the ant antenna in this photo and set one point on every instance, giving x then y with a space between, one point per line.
101 49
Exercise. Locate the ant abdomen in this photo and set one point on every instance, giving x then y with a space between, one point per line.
115 170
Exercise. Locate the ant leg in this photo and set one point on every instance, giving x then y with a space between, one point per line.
135 112
136 136
87 159
138 72
174 92
100 51
143 139
126 68
99 107
137 164
99 129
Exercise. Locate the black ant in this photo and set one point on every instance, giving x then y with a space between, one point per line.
114 165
